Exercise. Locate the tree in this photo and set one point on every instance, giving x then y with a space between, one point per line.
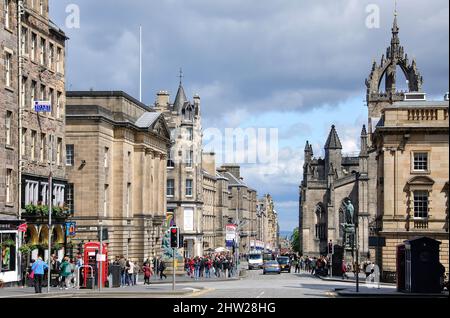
295 241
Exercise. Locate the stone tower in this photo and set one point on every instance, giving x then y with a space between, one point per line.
394 60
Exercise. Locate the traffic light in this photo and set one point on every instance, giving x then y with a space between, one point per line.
174 237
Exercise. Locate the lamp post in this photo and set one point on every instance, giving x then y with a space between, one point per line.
100 284
50 210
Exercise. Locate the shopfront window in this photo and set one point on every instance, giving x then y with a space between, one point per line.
8 254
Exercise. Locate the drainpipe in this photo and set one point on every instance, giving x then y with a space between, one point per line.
20 11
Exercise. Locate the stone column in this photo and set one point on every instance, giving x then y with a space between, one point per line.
161 182
154 184
138 182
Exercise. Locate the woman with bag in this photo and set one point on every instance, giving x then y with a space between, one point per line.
65 271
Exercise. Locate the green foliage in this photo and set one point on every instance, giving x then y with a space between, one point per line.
27 248
295 241
31 209
9 243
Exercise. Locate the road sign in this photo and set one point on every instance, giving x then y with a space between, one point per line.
230 236
42 106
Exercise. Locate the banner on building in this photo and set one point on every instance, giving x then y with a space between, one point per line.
230 236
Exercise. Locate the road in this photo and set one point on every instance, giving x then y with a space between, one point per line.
259 286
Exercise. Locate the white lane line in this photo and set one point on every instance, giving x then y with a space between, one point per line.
260 295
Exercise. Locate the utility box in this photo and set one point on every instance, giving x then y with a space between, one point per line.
338 258
422 266
401 266
115 271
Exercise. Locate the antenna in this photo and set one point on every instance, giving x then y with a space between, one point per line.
140 63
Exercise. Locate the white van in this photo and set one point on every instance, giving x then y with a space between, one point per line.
255 260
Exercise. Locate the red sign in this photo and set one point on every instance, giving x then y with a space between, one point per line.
23 228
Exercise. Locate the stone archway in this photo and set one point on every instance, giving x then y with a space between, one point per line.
43 235
321 228
58 235
32 235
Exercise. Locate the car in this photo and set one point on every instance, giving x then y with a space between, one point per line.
285 263
271 267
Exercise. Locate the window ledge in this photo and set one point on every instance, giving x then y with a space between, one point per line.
419 172
9 147
10 89
9 30
9 205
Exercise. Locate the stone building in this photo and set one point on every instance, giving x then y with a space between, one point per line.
211 207
409 150
184 167
242 205
117 151
326 184
32 60
267 224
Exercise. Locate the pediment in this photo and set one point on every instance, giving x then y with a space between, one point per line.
421 180
160 128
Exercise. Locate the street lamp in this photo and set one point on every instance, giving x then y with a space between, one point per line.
100 285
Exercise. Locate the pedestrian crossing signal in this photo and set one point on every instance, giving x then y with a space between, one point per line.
174 237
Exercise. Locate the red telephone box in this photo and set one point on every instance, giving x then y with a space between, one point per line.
91 258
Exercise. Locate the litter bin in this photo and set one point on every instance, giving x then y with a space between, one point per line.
90 283
115 275
422 266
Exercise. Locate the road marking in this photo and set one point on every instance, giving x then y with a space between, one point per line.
200 293
260 295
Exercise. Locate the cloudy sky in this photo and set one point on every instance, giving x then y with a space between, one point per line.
295 65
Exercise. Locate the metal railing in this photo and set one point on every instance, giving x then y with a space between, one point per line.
78 274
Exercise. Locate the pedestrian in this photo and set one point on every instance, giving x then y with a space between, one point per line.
38 270
130 272
162 268
65 271
147 273
136 272
344 270
123 271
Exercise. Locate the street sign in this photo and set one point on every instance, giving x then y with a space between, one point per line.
42 106
230 235
101 257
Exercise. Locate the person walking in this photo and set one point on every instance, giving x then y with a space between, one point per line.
147 269
65 271
38 269
162 268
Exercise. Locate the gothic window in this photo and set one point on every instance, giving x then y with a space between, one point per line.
321 223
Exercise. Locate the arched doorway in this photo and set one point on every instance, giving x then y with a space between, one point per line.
321 228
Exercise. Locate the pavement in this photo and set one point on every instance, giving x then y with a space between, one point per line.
253 285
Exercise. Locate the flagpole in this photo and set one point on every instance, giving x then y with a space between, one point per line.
140 63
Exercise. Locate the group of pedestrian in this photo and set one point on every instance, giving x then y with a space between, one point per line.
62 273
129 271
215 264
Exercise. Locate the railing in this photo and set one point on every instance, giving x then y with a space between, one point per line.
421 224
78 274
423 114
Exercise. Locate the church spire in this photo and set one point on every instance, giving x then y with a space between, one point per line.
181 98
333 141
